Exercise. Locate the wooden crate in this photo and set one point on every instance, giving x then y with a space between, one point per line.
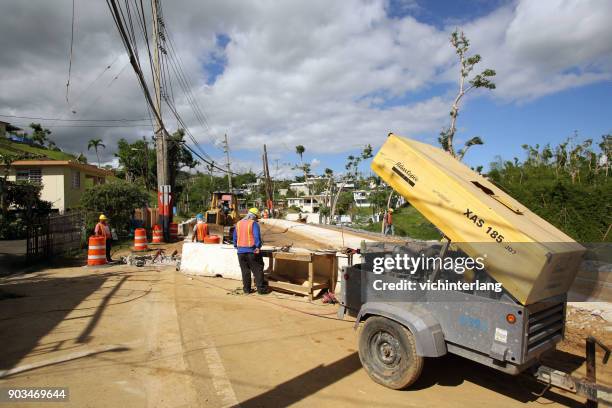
303 273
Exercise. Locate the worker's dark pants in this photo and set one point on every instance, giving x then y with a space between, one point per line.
109 245
252 263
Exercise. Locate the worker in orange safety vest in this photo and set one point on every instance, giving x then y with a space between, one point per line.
388 220
103 230
200 231
247 241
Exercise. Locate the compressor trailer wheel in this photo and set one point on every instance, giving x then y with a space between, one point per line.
387 351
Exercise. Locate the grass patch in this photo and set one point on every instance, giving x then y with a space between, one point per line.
408 223
8 147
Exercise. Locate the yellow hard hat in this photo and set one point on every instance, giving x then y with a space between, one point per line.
254 211
103 217
391 210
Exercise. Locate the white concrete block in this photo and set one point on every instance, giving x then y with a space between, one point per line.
211 260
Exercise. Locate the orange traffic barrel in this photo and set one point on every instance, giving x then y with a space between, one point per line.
140 239
173 231
96 253
212 239
158 234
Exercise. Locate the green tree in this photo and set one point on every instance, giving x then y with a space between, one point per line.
352 173
304 167
96 144
39 135
482 80
178 156
117 200
137 161
565 185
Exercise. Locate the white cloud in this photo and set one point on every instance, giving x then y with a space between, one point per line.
314 73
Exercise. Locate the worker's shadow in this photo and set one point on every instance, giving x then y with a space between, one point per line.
305 384
452 371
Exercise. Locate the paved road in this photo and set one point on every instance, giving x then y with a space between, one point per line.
145 337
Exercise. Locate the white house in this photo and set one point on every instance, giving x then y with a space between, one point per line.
361 198
307 203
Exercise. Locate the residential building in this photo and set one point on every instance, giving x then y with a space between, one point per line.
307 186
307 203
63 181
6 127
361 198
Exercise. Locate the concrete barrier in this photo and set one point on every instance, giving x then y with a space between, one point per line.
211 260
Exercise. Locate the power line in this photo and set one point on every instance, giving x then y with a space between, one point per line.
74 120
70 58
147 125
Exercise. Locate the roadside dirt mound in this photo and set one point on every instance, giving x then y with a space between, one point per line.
570 353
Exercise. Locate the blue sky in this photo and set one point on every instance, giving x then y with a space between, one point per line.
504 123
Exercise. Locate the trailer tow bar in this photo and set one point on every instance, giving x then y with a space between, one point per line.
584 387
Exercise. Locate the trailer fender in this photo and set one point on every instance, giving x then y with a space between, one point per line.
425 328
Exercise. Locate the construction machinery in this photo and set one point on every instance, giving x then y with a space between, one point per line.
222 214
504 311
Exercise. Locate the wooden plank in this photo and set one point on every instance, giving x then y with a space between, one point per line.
289 287
293 256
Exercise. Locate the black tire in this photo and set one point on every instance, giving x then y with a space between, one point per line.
387 351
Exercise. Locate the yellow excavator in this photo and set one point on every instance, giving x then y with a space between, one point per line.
222 214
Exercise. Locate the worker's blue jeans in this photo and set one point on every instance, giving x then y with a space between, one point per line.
389 230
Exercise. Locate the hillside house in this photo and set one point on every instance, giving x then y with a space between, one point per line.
63 181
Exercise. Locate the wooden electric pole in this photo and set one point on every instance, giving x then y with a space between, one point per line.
229 172
268 183
161 147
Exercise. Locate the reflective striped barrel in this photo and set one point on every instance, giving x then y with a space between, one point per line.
158 234
173 231
140 239
96 253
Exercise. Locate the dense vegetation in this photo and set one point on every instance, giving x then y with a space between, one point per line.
117 200
568 185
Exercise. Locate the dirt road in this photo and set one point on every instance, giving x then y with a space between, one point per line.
148 337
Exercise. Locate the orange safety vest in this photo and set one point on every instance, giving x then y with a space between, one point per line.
244 234
389 219
202 231
102 230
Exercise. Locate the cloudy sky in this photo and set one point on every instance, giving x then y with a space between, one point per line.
330 75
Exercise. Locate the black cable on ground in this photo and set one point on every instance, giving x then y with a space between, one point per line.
322 316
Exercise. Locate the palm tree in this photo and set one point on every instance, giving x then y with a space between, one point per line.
299 149
472 142
96 143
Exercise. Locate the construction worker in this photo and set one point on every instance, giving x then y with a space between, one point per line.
103 230
200 230
388 220
247 240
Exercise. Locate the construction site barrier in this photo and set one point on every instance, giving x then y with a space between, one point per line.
96 253
173 232
158 234
140 239
212 239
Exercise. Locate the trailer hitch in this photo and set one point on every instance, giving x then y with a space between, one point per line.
591 363
585 387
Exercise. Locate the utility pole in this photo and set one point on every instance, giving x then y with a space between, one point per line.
161 147
146 157
229 172
268 185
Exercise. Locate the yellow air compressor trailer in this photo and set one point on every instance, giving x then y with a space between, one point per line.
532 259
